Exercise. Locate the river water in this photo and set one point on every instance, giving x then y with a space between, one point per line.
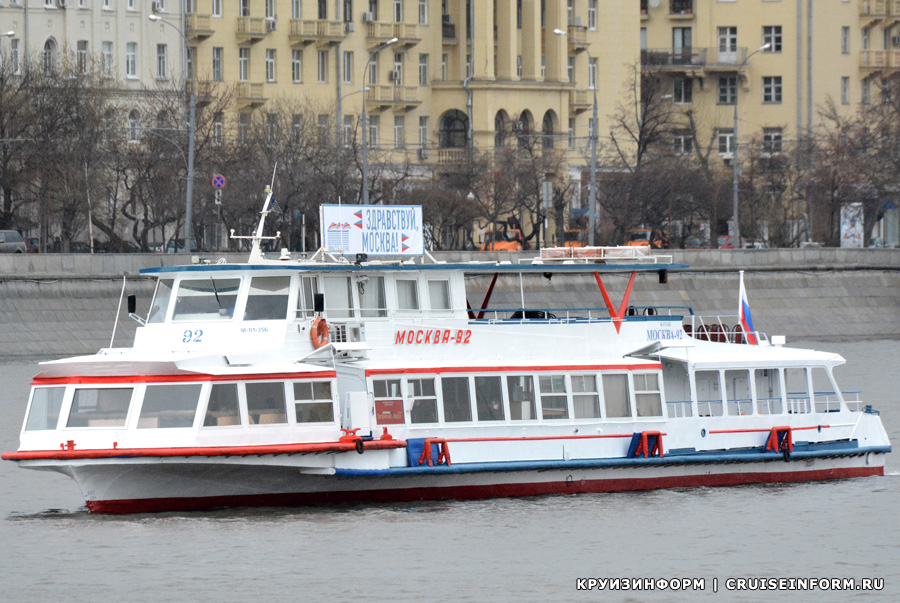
532 549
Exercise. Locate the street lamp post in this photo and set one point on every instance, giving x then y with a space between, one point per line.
736 235
592 191
192 119
365 124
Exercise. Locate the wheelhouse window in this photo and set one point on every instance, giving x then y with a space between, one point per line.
554 402
372 302
45 405
424 401
265 403
305 301
99 407
206 299
521 397
457 405
796 383
824 391
338 297
709 393
439 295
268 298
616 398
160 301
167 406
585 397
313 402
223 408
407 294
489 399
647 397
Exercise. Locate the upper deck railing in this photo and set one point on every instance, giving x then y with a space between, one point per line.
603 255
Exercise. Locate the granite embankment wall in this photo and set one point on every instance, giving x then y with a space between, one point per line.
65 304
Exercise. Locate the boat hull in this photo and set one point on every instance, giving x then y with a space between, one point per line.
120 486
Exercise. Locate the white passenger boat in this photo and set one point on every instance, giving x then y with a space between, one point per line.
285 381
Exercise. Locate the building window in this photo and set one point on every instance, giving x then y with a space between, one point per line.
323 66
398 131
348 67
296 9
270 9
398 11
244 128
82 56
373 69
519 66
845 39
297 66
771 141
106 57
217 129
543 67
296 128
845 90
134 126
444 67
571 132
864 99
772 37
270 64
726 141
592 14
373 120
682 142
519 14
189 59
570 69
772 89
348 130
217 64
423 12
347 13
570 13
727 90
217 8
423 69
271 129
243 64
592 73
864 42
161 60
245 8
131 59
398 68
423 131
373 8
683 91
323 128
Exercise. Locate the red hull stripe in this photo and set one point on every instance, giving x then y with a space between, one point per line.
194 377
765 429
151 505
307 447
505 369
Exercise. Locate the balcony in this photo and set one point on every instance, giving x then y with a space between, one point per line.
693 59
448 31
875 9
879 60
397 97
580 100
204 90
251 29
681 9
577 33
323 33
452 156
407 34
249 94
197 27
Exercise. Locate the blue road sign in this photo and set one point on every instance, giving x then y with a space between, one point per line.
218 181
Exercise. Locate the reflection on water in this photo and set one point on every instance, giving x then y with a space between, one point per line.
530 549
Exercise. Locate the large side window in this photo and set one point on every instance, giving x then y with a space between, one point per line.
160 301
768 391
424 401
265 403
439 295
585 398
268 298
222 408
313 402
388 402
457 405
616 398
709 393
737 392
521 397
554 403
489 399
99 407
647 397
206 299
169 406
45 405
372 303
338 298
797 386
407 294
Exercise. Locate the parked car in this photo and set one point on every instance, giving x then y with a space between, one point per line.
33 245
645 237
694 243
726 242
177 246
11 242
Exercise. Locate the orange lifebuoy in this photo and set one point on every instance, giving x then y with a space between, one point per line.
319 332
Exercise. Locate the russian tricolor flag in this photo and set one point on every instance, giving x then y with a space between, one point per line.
744 314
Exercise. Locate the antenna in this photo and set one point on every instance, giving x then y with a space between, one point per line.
275 169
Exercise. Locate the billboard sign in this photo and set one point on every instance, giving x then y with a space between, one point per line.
391 230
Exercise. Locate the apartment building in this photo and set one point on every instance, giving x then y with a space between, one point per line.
813 54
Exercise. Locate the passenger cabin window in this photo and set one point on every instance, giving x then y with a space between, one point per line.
489 399
521 397
407 294
99 407
439 295
338 297
223 408
585 397
45 405
388 402
206 299
265 403
824 391
647 397
709 394
678 389
268 298
424 401
554 402
160 301
457 404
372 303
306 300
797 385
737 393
768 391
313 402
168 406
616 398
